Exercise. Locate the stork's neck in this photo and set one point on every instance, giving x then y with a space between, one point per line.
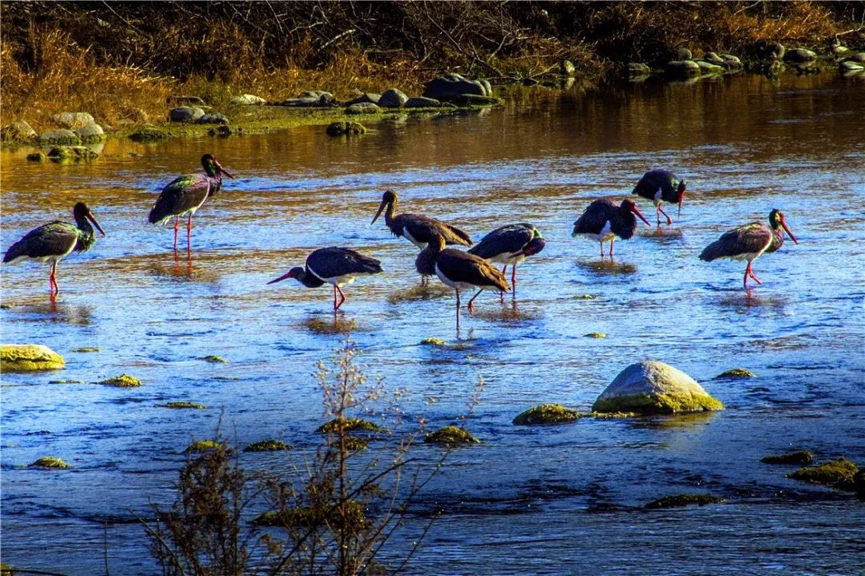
86 234
389 212
309 279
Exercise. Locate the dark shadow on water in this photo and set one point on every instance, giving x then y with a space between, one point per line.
429 291
691 420
606 267
331 324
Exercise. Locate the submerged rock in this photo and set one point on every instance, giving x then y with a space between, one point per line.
652 387
248 100
19 131
422 102
735 373
182 405
839 474
87 349
451 436
204 446
681 500
267 446
214 359
149 133
798 457
363 108
48 462
29 358
546 414
598 335
350 425
393 98
71 154
345 129
64 137
185 114
122 381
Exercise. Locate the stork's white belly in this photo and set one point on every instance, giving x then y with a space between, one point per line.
334 280
605 235
508 258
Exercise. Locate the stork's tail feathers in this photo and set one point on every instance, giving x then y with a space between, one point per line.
160 214
15 251
713 251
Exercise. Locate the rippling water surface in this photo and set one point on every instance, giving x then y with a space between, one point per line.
528 500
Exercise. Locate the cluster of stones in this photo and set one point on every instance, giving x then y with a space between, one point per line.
74 129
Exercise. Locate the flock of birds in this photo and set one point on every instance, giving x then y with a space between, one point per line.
508 245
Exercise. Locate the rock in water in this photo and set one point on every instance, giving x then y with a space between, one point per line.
682 68
366 97
19 131
567 68
652 387
683 54
800 55
363 108
393 98
453 86
64 137
29 358
422 102
93 132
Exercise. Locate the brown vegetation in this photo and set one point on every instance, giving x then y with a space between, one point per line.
117 60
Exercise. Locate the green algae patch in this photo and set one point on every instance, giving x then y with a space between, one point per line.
214 359
309 516
801 457
267 446
735 373
182 405
85 349
351 425
584 297
658 404
48 462
352 443
613 414
71 154
597 335
451 436
204 446
839 473
122 381
546 414
29 358
65 381
682 500
433 342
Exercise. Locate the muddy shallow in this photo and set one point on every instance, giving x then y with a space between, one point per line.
528 500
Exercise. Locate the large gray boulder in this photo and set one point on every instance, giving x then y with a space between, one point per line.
800 55
185 114
72 120
452 86
67 137
93 132
422 102
19 131
682 68
652 387
392 98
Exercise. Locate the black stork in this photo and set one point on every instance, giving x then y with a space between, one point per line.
604 221
661 186
749 241
54 241
417 228
510 245
459 270
185 194
336 266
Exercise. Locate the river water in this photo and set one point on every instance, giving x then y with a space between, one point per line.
551 500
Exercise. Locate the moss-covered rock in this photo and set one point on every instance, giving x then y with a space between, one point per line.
363 108
6 569
66 381
451 436
204 446
345 129
71 154
800 55
735 373
351 425
681 500
182 405
801 457
597 335
84 349
352 443
433 342
682 69
122 381
38 156
29 358
546 414
48 462
267 446
214 359
59 137
91 133
150 133
836 474
652 387
308 517
19 131
709 68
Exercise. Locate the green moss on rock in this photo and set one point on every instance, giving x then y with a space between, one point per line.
214 359
87 349
681 500
308 517
122 381
351 425
451 436
48 462
6 569
596 335
546 414
433 342
71 154
345 129
65 381
267 446
798 457
735 373
182 405
657 404
204 446
836 474
29 358
352 443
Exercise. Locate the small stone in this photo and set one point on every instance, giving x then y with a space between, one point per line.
185 114
393 98
433 342
267 446
683 54
213 118
87 349
149 133
345 129
836 474
596 335
422 102
64 137
65 381
735 373
451 436
367 97
37 156
182 405
214 359
248 100
801 457
71 154
567 68
682 68
800 55
350 425
19 131
204 446
48 462
322 98
72 120
546 414
638 69
91 133
681 500
300 102
363 108
585 297
29 358
122 381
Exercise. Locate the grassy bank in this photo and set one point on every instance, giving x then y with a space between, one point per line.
122 61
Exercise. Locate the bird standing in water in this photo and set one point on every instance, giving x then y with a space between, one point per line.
185 194
604 221
661 186
54 241
417 228
336 266
510 245
459 270
749 241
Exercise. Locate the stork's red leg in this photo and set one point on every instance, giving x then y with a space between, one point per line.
189 233
669 220
176 228
747 273
471 305
754 276
611 248
458 309
341 295
52 279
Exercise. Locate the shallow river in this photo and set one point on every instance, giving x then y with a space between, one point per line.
550 500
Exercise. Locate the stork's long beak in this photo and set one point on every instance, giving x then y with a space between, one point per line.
281 278
223 170
95 223
643 218
787 230
377 214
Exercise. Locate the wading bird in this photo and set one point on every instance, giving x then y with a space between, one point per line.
460 270
510 245
661 186
417 228
54 241
336 266
749 241
604 221
185 194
